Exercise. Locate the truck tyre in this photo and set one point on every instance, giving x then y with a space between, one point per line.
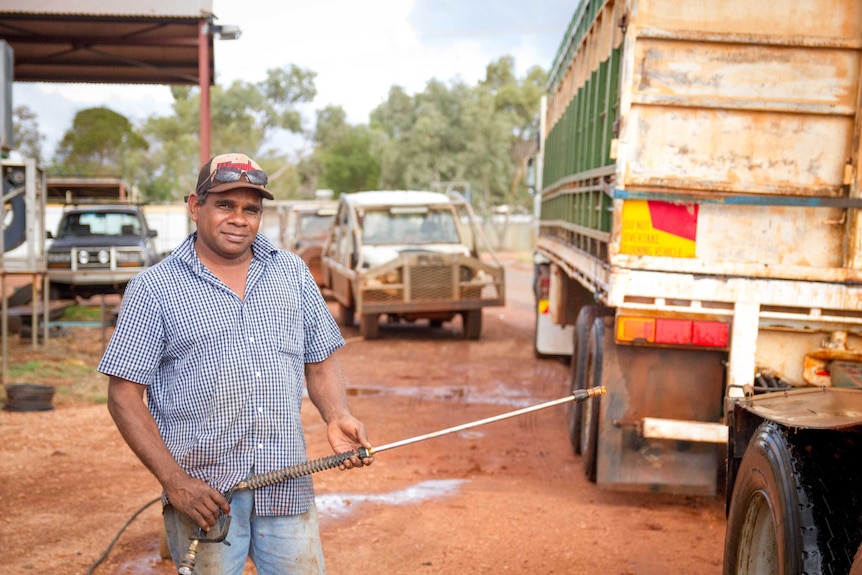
578 372
795 506
369 326
472 323
346 315
590 414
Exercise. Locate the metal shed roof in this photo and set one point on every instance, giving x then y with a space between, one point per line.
107 41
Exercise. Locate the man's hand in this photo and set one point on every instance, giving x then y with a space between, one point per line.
345 434
327 389
196 499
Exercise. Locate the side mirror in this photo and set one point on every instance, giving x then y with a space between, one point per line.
152 233
49 235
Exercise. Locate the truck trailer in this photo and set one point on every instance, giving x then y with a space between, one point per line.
699 254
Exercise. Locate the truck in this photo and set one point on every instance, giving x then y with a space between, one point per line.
699 253
410 255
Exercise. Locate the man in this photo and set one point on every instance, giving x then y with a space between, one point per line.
220 335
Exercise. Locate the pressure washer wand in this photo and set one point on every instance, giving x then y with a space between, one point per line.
577 396
218 534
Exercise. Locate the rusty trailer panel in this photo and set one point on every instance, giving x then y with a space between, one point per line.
667 383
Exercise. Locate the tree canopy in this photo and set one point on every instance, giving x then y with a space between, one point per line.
476 138
25 129
98 143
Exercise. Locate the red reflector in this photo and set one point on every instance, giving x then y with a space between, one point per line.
673 331
710 333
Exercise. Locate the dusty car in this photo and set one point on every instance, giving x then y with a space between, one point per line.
98 249
306 224
410 255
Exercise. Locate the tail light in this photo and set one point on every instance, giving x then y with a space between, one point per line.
679 332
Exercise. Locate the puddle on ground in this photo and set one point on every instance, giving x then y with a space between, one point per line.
340 504
500 395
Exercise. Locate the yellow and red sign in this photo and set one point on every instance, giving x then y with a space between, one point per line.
660 229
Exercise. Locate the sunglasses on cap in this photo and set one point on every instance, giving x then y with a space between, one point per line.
230 174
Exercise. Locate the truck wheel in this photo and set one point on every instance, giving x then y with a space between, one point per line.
369 326
795 506
472 322
578 372
590 414
346 315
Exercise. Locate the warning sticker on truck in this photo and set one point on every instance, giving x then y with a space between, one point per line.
660 229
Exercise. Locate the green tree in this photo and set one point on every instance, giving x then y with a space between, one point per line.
344 154
518 100
244 115
447 133
25 129
98 144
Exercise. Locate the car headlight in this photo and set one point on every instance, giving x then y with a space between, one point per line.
130 258
59 259
83 257
103 256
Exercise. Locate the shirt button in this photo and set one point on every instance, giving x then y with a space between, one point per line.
257 374
251 339
260 445
260 409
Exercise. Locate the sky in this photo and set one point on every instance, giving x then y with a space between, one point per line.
358 49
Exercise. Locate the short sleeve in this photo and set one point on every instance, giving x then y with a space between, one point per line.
135 348
322 335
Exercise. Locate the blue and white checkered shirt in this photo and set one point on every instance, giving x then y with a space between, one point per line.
225 376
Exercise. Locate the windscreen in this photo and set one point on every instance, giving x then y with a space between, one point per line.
82 224
314 225
409 225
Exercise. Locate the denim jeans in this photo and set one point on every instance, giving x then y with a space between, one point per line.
277 545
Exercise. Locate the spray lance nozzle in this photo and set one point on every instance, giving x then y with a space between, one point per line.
218 532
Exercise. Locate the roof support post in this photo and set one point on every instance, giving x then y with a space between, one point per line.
204 79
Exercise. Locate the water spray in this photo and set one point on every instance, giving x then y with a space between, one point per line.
218 532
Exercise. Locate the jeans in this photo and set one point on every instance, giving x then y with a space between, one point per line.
277 545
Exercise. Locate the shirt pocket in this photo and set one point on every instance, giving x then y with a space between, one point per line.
284 319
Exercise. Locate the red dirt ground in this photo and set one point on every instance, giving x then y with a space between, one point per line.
505 497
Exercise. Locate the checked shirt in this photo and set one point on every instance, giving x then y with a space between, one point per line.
225 376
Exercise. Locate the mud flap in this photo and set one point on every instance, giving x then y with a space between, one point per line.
665 383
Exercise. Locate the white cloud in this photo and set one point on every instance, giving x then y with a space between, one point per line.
357 49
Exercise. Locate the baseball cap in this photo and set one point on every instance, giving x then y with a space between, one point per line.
232 171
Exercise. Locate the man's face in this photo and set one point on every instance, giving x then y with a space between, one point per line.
227 223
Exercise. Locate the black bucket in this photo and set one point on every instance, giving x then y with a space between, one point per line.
29 397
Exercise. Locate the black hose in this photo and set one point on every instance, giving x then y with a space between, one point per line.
120 532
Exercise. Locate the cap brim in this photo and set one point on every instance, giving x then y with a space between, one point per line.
241 185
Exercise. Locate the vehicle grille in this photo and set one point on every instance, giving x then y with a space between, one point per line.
431 283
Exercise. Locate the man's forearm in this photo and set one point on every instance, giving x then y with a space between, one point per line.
327 389
139 430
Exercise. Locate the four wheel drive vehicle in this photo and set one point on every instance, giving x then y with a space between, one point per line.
98 249
305 228
410 255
